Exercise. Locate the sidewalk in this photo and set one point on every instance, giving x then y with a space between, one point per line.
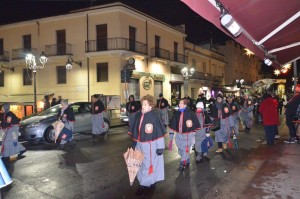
268 172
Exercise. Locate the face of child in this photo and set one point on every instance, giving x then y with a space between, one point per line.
145 106
181 104
233 108
226 110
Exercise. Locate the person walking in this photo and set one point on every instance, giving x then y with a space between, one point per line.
221 110
184 123
66 115
290 112
163 105
235 113
246 113
148 131
97 117
268 109
10 145
202 133
132 107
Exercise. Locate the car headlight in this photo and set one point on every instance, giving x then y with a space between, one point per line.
35 124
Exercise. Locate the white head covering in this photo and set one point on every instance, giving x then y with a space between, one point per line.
200 105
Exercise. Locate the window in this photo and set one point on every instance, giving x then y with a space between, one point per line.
157 44
1 47
27 42
102 72
101 34
2 78
61 73
27 77
175 51
132 38
194 63
61 42
204 67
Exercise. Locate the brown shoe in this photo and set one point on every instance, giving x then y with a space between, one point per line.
224 146
220 150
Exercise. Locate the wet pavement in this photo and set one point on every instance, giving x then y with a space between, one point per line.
96 170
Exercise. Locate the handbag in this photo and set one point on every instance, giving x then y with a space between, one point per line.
216 124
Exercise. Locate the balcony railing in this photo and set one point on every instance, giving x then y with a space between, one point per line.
22 52
4 56
202 76
58 49
115 44
218 79
178 58
160 53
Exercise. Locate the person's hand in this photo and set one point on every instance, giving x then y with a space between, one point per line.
159 151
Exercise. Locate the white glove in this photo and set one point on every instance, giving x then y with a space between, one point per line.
207 134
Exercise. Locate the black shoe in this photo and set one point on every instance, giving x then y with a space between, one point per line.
181 168
61 147
153 187
205 158
21 153
141 190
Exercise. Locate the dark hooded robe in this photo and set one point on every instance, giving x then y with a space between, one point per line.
184 123
97 117
148 131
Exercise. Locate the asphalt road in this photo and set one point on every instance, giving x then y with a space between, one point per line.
96 170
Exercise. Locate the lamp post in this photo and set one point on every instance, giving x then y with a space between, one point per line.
186 73
31 64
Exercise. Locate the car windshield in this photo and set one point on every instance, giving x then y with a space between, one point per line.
51 111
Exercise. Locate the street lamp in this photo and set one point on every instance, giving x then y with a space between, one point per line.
186 73
31 64
239 82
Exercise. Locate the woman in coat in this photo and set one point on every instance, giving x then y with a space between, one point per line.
202 133
10 145
235 113
184 123
221 110
66 115
268 109
148 131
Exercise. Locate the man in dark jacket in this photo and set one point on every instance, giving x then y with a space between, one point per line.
290 112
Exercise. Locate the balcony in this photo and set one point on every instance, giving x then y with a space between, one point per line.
178 58
4 56
58 49
160 53
115 44
202 76
22 52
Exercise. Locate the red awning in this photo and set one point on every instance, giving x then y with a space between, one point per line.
259 18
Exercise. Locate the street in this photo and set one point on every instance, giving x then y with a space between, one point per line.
97 170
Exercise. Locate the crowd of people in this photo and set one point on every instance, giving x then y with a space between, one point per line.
191 124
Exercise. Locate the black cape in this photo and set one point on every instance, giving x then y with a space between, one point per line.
14 120
189 117
150 129
100 106
69 112
132 107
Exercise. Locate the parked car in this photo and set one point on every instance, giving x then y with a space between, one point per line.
39 127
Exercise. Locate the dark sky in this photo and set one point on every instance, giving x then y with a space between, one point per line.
172 12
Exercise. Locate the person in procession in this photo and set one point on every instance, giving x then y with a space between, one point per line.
148 131
268 109
235 113
97 108
202 133
132 107
246 113
163 105
184 123
66 115
221 110
10 145
291 110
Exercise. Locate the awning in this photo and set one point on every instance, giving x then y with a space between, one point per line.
269 27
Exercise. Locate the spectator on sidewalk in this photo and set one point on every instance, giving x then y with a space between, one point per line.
268 109
163 105
291 109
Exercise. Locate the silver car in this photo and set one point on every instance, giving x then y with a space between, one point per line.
39 127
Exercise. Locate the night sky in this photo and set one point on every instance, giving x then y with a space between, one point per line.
198 30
